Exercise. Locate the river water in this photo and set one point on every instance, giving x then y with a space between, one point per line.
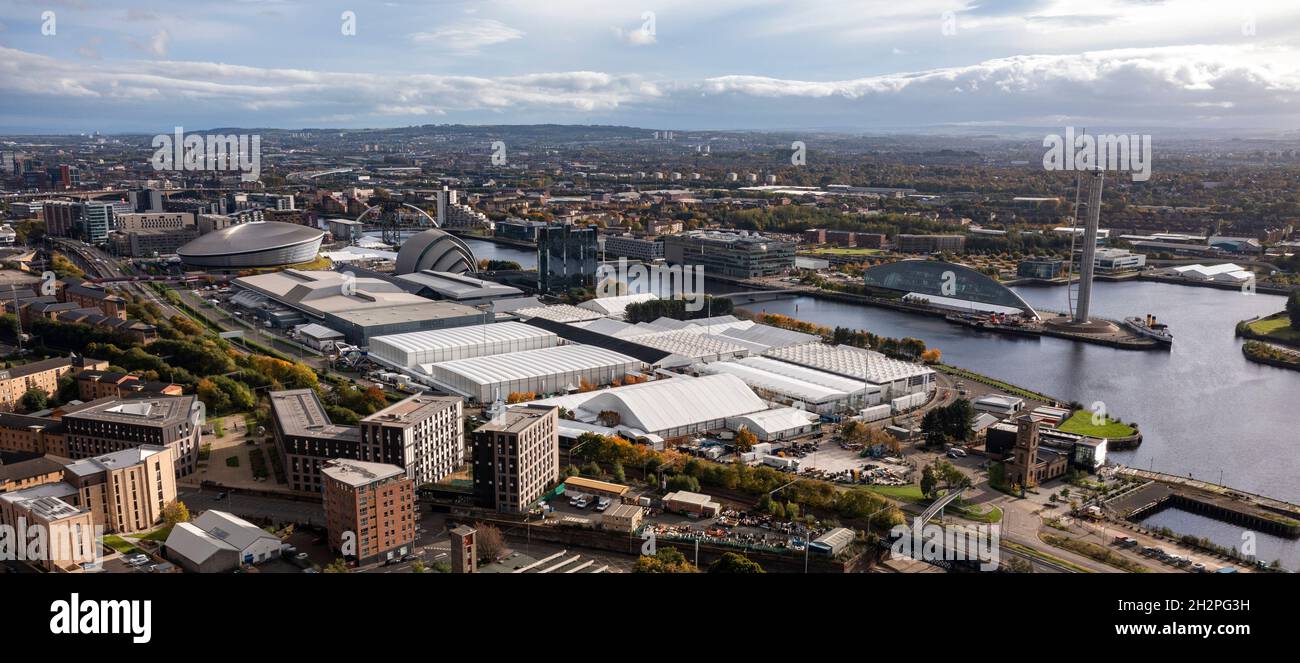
493 251
1203 409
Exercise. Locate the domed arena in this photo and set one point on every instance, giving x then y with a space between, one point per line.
259 244
436 250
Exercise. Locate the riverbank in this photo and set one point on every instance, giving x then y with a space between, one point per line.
1274 328
1271 355
504 241
1116 339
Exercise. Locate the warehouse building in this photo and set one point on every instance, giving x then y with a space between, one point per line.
558 369
895 377
431 347
358 307
778 424
800 386
666 408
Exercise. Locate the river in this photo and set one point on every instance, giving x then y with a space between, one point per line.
492 251
1203 409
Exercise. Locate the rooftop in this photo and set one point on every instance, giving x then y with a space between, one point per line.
151 411
516 419
358 472
412 409
300 413
115 460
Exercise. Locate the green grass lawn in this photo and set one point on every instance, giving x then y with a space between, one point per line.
119 544
1276 327
909 493
159 535
1080 423
972 512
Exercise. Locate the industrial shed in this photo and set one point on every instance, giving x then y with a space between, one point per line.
545 371
792 384
893 375
430 347
779 424
670 407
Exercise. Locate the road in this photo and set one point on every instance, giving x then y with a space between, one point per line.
250 506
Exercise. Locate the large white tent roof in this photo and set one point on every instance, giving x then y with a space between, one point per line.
532 363
667 404
460 337
798 382
850 362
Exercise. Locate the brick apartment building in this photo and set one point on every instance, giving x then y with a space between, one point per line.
370 509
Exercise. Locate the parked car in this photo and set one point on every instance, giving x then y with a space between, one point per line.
602 504
1125 541
581 503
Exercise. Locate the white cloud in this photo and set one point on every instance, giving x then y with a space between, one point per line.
1238 85
468 35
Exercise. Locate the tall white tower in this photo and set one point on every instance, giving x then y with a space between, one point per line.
1088 255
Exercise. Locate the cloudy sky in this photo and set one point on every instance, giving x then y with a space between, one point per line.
149 65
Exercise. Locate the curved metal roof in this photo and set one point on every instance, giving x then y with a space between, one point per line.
929 277
435 250
254 237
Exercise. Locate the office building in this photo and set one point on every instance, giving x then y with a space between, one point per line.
360 308
1041 268
516 458
95 220
566 257
930 243
370 510
146 200
739 254
1113 261
636 248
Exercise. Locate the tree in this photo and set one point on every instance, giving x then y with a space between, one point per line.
733 563
490 542
1017 565
665 560
745 440
617 472
1293 309
592 470
175 512
932 356
417 566
337 566
683 482
34 400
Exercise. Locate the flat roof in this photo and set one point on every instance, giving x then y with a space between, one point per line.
150 411
359 472
595 484
299 412
412 409
533 363
115 460
516 419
